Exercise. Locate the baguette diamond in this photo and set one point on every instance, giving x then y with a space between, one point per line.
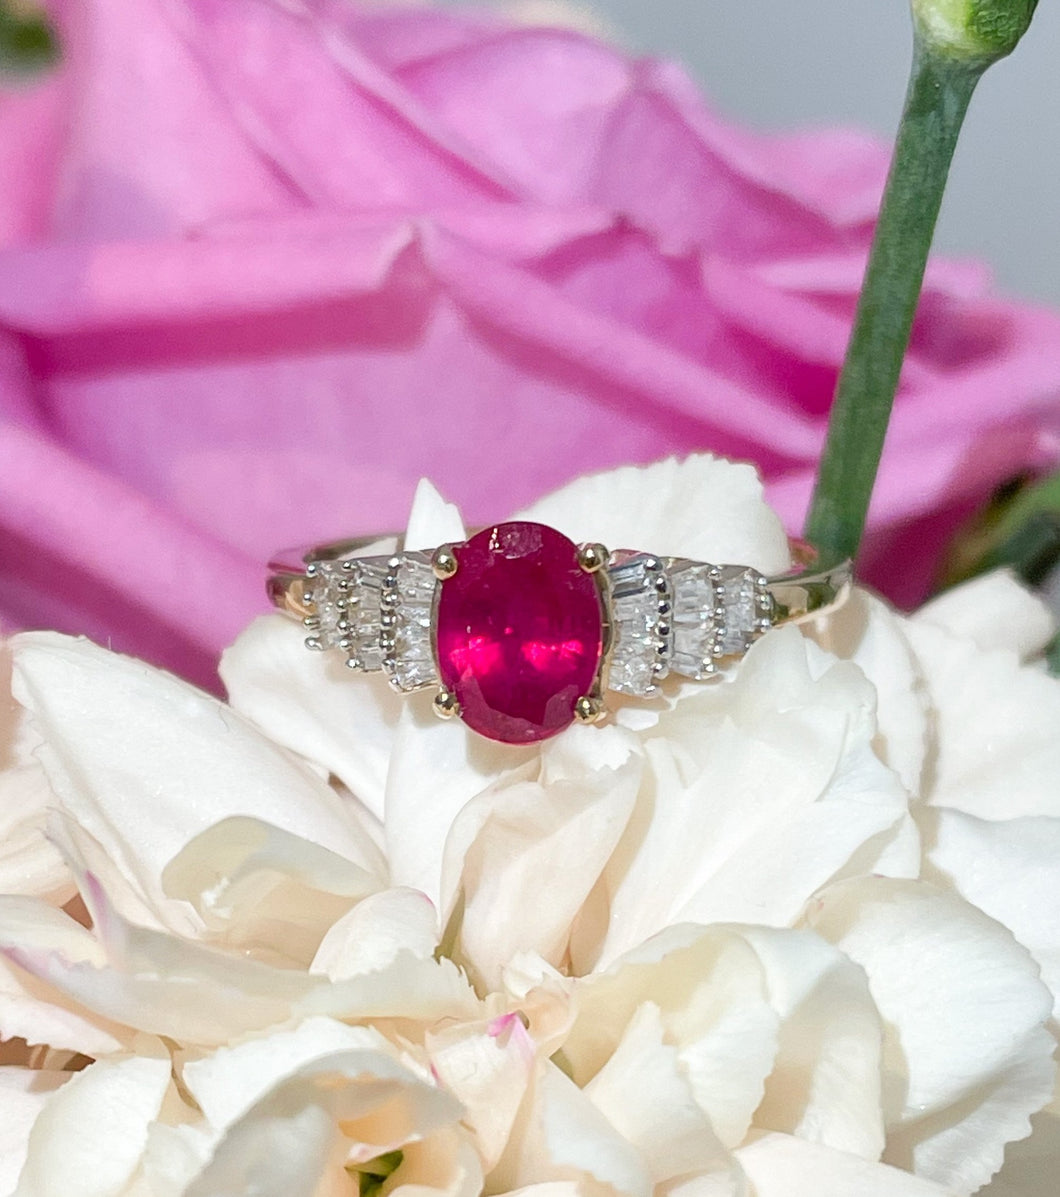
640 602
345 596
696 619
745 605
409 598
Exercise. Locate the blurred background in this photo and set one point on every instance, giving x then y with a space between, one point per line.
778 64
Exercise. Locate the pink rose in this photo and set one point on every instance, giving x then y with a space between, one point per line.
264 264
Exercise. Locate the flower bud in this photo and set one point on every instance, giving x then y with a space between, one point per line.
975 31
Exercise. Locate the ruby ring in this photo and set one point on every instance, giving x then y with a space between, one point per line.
522 632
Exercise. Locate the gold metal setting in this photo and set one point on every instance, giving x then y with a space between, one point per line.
589 709
446 705
592 557
444 562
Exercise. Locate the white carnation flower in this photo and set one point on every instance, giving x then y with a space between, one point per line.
794 933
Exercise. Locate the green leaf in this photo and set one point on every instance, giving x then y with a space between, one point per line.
372 1175
1018 530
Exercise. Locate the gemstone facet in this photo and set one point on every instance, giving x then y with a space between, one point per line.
519 632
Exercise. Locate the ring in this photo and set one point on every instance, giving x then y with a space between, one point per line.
522 631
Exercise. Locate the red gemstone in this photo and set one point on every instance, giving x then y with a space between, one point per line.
519 632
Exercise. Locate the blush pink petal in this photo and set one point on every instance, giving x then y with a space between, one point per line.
148 148
83 550
266 264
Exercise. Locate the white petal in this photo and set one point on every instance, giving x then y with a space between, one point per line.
487 1067
445 1163
966 1058
996 611
370 936
91 1134
549 1188
1010 870
710 987
29 864
538 851
284 1150
785 1166
158 983
261 890
560 1133
409 987
432 521
825 1084
729 1182
1030 1165
760 791
543 996
702 507
23 1094
301 1130
38 1013
963 1153
311 703
436 769
646 1096
996 751
174 1156
144 762
866 631
226 1083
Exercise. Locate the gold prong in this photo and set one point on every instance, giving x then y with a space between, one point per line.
592 557
589 709
446 705
444 562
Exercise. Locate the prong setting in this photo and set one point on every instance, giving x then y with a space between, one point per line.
444 562
592 556
589 709
445 704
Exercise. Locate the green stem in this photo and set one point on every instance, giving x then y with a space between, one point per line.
940 88
27 40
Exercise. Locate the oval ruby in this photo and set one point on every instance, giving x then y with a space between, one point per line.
519 632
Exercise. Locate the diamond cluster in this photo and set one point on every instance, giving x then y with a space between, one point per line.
682 617
641 636
376 610
408 600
